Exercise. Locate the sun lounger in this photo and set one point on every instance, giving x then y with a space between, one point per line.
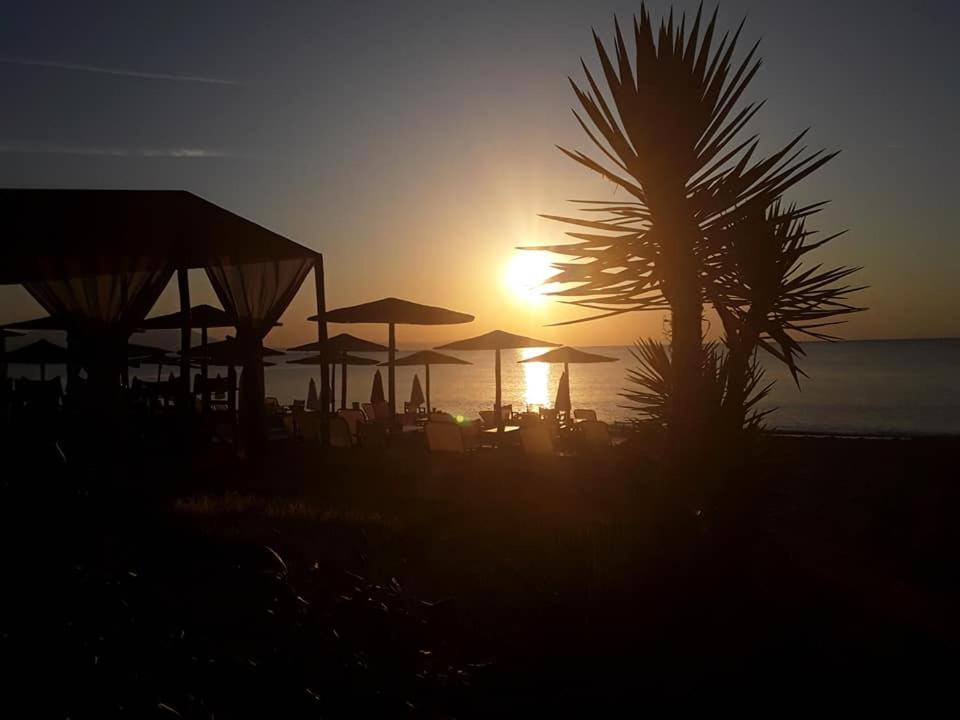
594 434
585 415
340 435
444 437
536 439
441 417
353 418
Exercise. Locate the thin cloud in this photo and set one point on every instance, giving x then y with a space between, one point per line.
117 71
177 152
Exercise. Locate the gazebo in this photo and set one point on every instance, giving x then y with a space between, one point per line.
97 260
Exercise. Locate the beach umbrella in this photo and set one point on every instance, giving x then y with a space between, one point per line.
227 352
392 312
312 402
569 356
428 358
342 343
40 352
4 334
376 393
200 316
49 322
562 403
341 359
497 340
416 392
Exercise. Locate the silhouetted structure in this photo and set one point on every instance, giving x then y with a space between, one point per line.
496 340
393 312
97 260
428 358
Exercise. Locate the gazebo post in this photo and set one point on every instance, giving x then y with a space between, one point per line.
205 402
183 285
497 399
343 386
322 339
391 358
427 373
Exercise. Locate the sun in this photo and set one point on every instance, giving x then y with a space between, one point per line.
525 275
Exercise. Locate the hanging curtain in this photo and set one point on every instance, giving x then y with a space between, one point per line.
101 307
256 294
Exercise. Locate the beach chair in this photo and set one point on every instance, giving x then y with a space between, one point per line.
444 437
506 412
472 434
340 435
381 412
372 435
585 415
367 411
536 439
594 434
416 410
548 415
353 418
441 417
488 419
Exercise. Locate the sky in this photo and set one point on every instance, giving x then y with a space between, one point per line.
414 143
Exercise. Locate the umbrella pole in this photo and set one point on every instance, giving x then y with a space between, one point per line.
427 371
159 371
391 357
343 386
205 402
183 287
566 369
43 371
322 339
496 403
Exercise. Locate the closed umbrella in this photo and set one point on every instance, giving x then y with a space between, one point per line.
428 358
497 340
376 393
393 312
562 403
343 360
569 356
416 393
312 402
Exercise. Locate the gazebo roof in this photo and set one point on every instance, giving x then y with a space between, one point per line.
96 230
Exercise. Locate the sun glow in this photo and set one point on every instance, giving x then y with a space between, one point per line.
526 273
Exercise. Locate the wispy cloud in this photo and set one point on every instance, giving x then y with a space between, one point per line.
123 72
176 152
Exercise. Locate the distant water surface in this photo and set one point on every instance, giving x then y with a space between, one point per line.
868 387
877 386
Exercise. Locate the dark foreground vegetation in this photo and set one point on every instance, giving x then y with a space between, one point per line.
405 585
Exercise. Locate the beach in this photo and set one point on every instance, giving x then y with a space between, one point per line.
392 583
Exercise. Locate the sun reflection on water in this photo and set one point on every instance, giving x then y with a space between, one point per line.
536 379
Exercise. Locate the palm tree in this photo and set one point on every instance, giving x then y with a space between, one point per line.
669 127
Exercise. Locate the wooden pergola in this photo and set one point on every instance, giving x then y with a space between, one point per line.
57 237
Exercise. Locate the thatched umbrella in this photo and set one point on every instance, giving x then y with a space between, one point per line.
393 312
568 356
40 352
428 358
497 340
341 359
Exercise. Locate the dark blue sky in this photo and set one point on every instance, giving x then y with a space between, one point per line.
414 142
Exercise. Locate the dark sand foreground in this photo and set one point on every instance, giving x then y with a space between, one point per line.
404 585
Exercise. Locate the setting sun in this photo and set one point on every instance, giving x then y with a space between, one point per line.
525 275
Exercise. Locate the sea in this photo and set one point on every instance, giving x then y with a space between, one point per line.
873 387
